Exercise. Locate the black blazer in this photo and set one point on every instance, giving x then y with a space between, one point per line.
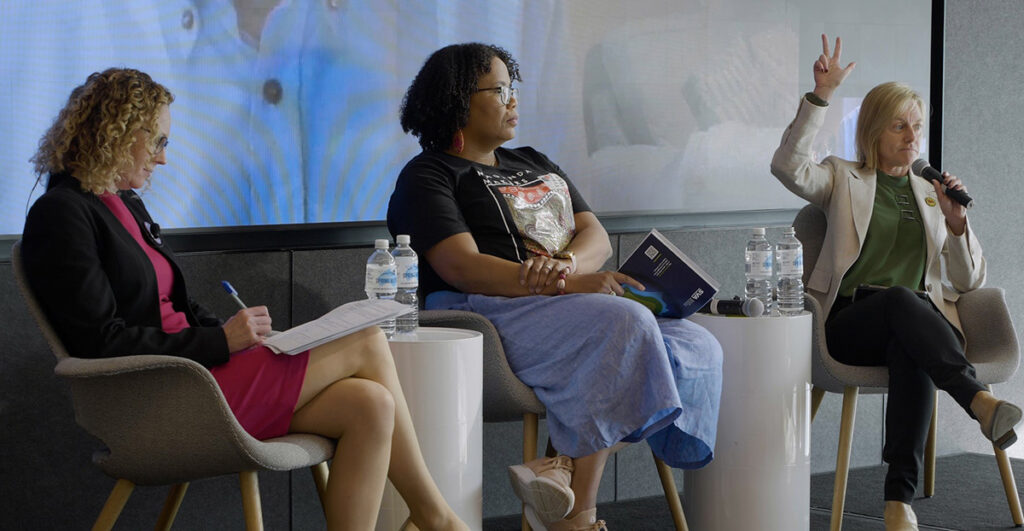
98 287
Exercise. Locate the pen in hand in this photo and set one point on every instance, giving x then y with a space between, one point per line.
234 294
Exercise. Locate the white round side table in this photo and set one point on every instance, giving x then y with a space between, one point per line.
441 370
760 476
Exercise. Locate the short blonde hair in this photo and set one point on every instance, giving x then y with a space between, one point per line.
881 105
93 134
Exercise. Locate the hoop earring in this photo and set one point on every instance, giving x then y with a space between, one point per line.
458 142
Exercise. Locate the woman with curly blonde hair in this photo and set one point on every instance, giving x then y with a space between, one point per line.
111 287
88 137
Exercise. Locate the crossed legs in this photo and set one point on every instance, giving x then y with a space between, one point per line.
351 392
897 329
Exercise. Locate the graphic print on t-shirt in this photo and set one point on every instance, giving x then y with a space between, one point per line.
540 208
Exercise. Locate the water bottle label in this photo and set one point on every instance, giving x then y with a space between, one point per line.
381 279
408 271
759 263
791 262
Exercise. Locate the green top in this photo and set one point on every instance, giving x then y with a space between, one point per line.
894 247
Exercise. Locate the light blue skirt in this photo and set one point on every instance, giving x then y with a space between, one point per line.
607 371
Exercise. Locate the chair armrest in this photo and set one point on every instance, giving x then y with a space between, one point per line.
96 367
505 396
989 333
150 411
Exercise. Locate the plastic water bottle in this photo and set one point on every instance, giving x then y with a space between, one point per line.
789 256
758 259
408 282
381 279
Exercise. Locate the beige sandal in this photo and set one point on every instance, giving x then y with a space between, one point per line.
544 485
584 521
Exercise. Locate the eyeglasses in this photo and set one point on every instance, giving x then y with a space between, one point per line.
505 93
161 143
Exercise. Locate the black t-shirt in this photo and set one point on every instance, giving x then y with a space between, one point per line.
522 207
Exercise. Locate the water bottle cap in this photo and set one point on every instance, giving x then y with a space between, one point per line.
381 244
759 231
402 239
789 230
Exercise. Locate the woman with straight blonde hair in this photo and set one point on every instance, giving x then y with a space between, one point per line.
890 227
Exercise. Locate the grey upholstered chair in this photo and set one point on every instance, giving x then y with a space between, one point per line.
185 431
506 398
991 347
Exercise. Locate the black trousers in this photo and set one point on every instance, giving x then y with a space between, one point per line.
897 329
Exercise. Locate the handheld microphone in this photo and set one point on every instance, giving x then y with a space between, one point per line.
737 306
922 168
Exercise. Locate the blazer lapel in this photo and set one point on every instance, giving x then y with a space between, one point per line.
862 200
931 215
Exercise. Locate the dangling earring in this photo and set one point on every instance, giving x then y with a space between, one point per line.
458 142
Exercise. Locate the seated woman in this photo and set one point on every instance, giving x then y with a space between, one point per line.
112 288
506 234
890 227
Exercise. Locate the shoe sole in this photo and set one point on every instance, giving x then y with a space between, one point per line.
536 524
1005 418
548 500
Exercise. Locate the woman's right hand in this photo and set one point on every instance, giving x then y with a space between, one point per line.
828 71
609 282
247 327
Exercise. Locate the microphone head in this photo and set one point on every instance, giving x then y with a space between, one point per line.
919 166
753 307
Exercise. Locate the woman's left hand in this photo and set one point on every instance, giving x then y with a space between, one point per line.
955 213
538 272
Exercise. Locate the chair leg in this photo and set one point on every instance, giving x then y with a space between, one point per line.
320 474
251 500
668 483
1009 486
171 505
115 503
530 427
1012 499
929 452
817 394
843 456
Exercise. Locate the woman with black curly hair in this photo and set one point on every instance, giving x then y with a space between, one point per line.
506 234
111 288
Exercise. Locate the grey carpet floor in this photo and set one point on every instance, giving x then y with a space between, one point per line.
968 496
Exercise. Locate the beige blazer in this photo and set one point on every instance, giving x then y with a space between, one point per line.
845 191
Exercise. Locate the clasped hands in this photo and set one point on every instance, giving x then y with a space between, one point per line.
540 274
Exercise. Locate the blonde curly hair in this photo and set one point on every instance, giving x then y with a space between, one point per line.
93 134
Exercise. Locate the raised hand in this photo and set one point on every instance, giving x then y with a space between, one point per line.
828 71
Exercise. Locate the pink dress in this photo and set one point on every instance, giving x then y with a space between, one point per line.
261 388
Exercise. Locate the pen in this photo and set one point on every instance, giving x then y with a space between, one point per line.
234 294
